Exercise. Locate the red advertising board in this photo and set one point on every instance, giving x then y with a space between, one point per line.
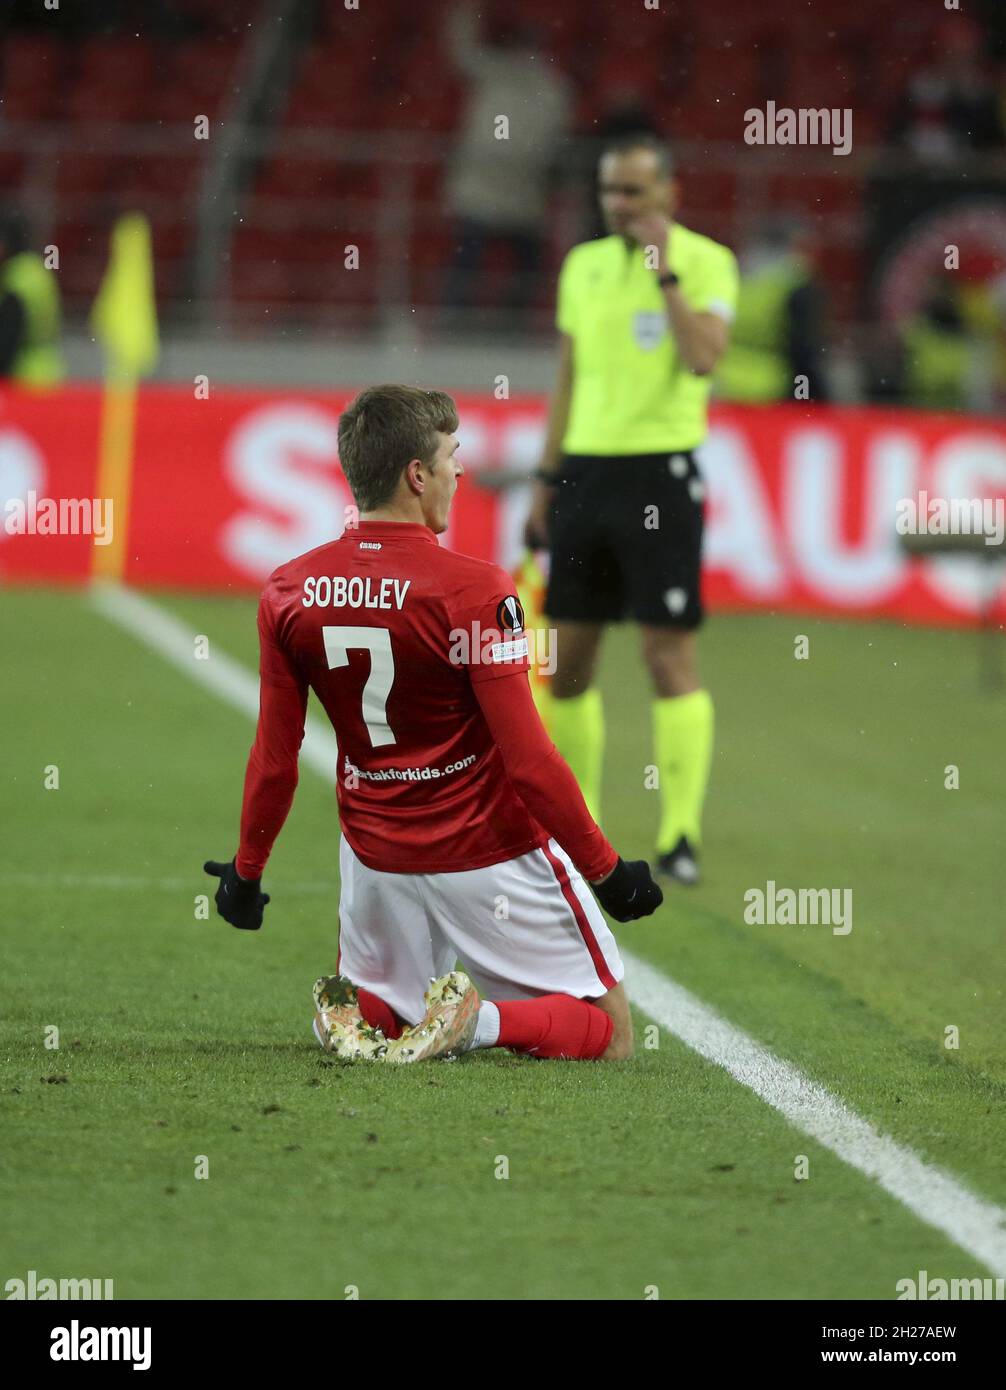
802 501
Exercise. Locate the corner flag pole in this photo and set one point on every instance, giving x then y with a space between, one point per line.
124 318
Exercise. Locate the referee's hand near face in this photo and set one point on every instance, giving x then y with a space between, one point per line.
643 317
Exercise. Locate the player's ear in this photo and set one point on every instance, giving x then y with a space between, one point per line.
415 476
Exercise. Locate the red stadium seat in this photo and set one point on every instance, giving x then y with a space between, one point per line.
128 58
430 256
825 194
77 173
296 176
160 178
100 101
12 168
266 282
33 60
707 194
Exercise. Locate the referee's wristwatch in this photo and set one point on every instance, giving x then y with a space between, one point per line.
668 278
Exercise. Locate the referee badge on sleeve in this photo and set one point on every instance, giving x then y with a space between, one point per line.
648 329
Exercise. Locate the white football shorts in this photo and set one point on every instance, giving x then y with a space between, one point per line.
526 927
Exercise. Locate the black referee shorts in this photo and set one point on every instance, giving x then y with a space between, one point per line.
626 540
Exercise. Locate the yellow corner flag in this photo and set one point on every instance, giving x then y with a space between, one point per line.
124 318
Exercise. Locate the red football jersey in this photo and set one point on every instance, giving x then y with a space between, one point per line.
393 633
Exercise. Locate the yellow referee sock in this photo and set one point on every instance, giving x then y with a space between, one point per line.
683 746
577 728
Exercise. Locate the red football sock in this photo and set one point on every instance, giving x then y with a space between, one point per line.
378 1014
556 1025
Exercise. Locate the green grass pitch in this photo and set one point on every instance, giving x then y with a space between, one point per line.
184 1040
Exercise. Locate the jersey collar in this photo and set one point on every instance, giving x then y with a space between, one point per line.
395 530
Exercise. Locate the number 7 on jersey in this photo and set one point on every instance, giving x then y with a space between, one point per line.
339 642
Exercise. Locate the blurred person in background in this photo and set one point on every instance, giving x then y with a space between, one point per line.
997 305
625 113
937 352
952 346
643 317
29 310
778 335
497 188
951 107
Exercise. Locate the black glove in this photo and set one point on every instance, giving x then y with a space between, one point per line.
629 891
240 901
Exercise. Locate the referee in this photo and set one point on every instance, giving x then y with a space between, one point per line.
643 318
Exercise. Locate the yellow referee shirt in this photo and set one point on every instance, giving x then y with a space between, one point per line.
632 394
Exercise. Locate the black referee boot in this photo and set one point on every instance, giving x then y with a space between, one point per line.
680 863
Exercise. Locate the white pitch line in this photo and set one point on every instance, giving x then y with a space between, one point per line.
935 1197
976 1225
234 683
